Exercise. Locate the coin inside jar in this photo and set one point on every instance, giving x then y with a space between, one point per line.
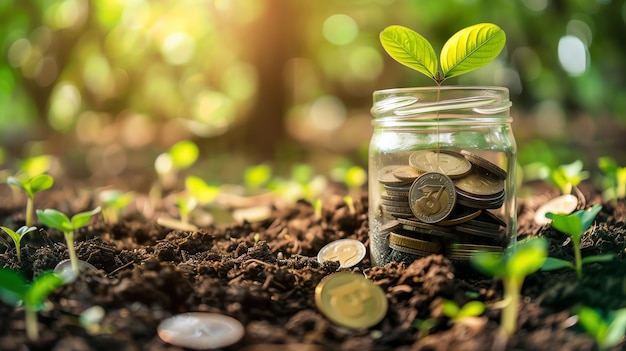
432 197
406 173
449 163
348 252
351 300
480 184
484 163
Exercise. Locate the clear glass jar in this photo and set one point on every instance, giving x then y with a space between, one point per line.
442 167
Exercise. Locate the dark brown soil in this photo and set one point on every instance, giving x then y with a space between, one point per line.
148 273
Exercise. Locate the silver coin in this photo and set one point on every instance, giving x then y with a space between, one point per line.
449 163
348 252
386 176
484 163
200 330
432 197
565 204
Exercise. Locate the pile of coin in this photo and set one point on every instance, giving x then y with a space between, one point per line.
441 201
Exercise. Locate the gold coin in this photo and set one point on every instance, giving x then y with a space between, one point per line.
348 252
413 243
386 176
406 173
484 163
460 216
351 300
480 184
432 197
451 164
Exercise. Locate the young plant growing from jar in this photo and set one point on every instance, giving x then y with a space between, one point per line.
607 330
31 186
113 203
614 180
17 236
14 290
58 220
512 268
574 225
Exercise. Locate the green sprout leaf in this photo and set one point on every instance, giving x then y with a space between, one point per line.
256 176
35 165
55 219
202 192
552 264
410 49
79 220
17 237
184 154
471 48
606 331
471 309
116 198
450 308
12 287
527 258
40 288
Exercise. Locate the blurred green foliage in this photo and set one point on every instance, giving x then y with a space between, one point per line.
284 79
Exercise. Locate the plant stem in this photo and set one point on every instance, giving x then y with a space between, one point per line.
578 259
69 239
29 212
508 321
31 324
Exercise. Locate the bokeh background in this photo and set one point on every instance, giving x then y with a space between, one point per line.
106 85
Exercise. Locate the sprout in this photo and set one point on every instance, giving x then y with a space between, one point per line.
565 177
614 181
574 225
55 219
257 176
32 186
180 156
471 309
512 267
607 331
14 290
17 237
113 202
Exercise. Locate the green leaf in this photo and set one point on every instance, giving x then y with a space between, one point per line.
14 181
527 258
552 264
255 176
449 308
471 309
607 165
410 49
54 219
40 288
184 154
15 236
616 329
200 190
116 198
41 182
488 263
81 219
587 216
593 323
471 48
569 224
12 287
598 258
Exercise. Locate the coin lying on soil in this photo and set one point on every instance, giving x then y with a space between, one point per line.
348 252
200 330
564 204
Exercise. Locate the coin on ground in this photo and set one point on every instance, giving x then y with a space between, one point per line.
449 163
565 204
351 300
432 197
200 330
348 252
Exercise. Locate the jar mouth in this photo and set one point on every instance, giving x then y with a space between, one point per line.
421 102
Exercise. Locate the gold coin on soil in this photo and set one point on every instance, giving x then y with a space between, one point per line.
565 204
451 164
351 300
432 197
348 252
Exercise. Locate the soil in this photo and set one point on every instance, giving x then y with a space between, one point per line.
264 274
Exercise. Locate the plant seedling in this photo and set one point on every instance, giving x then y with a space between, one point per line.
15 290
255 177
566 177
574 225
55 219
180 156
607 332
32 186
614 180
467 50
512 267
17 238
113 202
455 312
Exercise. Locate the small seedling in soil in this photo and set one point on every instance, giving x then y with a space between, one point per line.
606 331
17 238
15 290
179 157
350 203
113 203
614 181
512 267
58 220
31 186
467 50
574 225
568 176
256 177
457 313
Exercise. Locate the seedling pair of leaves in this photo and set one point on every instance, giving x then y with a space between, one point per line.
31 186
14 290
607 331
457 313
614 180
113 202
467 50
574 225
567 176
16 236
58 220
512 267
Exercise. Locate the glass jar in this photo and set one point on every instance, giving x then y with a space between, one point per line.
442 169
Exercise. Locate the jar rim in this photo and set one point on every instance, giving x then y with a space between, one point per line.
442 88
